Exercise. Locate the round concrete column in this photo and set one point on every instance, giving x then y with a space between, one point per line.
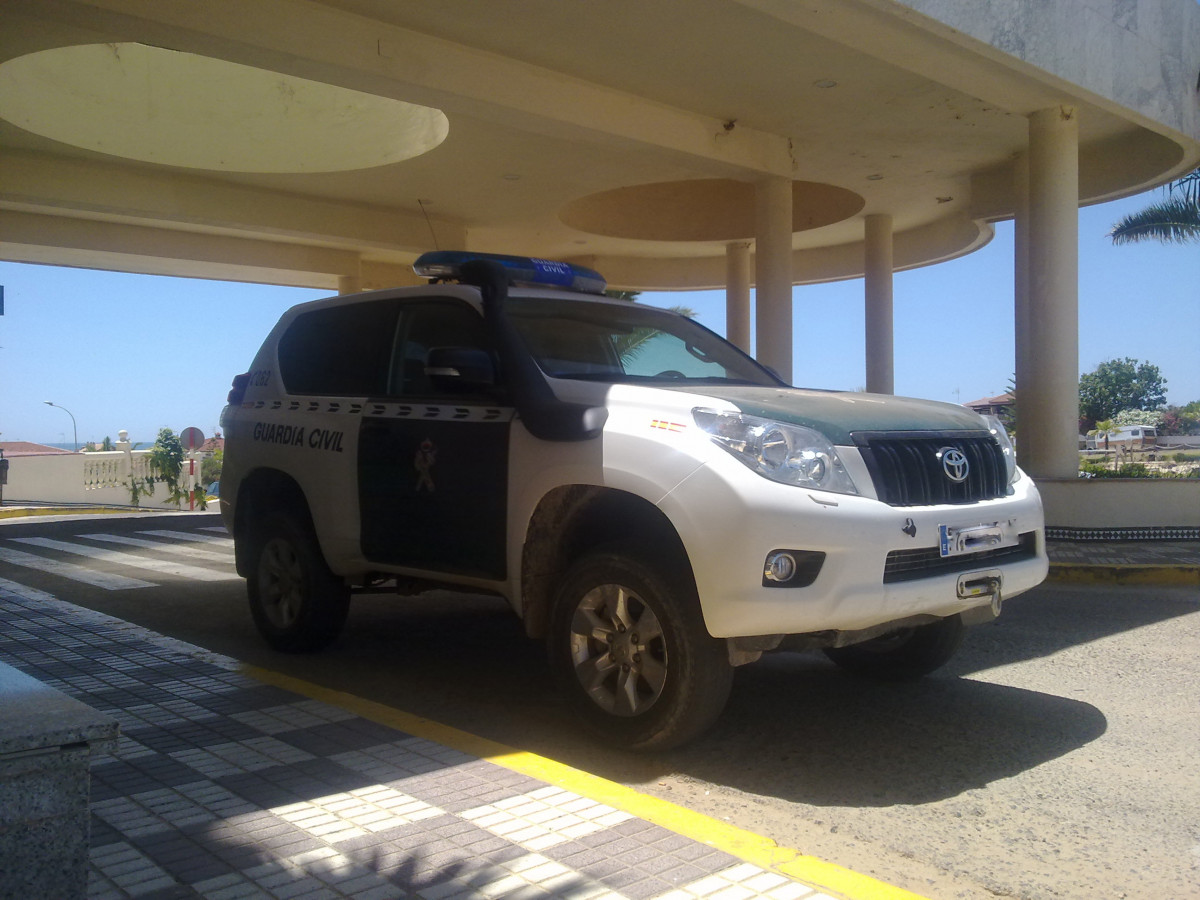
1050 398
737 294
773 275
349 284
1021 327
881 377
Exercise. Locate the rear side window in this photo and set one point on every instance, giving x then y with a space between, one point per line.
343 350
424 326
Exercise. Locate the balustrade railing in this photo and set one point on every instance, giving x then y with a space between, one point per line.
121 477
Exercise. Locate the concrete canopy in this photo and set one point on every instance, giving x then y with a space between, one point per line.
914 110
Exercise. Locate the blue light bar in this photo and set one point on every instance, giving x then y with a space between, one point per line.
521 270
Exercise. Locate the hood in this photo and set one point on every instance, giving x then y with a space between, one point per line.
838 414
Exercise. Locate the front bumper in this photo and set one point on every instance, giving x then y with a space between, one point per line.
730 519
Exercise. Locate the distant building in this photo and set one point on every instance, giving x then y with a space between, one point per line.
13 449
1000 406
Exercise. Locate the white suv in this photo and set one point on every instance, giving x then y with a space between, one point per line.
652 502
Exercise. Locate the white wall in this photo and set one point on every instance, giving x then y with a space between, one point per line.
100 479
1121 502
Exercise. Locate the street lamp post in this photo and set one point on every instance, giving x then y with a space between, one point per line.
74 429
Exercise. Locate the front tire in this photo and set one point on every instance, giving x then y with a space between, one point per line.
297 603
904 654
628 647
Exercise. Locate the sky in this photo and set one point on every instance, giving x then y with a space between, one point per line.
140 352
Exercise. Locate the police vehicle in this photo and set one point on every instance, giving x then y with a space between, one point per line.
653 503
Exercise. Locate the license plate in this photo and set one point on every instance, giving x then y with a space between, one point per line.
957 540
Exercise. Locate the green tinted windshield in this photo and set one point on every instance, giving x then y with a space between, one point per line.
628 342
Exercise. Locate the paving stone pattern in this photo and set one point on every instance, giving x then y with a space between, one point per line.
1122 554
225 788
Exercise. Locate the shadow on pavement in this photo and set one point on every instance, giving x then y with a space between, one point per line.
801 731
795 727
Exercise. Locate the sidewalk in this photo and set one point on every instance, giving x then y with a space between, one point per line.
1125 561
231 782
236 783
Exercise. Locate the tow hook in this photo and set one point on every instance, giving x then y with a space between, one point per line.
982 584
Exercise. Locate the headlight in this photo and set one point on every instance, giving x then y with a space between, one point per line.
1010 453
789 454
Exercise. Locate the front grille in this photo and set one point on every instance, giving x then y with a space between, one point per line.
910 565
907 470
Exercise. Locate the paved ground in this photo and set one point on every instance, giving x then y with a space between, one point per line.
1125 553
234 783
226 786
1126 562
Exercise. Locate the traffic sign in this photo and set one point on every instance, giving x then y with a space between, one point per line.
191 438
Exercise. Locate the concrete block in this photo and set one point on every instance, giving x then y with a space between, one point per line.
47 740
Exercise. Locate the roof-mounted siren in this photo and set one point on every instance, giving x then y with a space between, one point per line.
446 265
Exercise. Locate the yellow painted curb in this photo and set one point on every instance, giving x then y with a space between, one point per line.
1166 574
19 512
753 848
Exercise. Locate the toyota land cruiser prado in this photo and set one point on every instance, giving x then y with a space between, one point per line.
654 504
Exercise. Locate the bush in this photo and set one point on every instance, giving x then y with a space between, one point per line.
210 467
1130 470
166 460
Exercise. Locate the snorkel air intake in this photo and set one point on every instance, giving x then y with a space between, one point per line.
544 415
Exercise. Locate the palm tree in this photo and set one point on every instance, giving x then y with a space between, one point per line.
631 344
1176 220
1105 429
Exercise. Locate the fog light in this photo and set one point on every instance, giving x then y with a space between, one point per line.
780 567
792 568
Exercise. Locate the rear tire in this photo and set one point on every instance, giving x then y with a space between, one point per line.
902 655
297 603
629 649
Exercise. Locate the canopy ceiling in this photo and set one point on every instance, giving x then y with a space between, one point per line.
299 142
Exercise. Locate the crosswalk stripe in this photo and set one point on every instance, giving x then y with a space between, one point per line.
187 550
190 536
103 580
134 560
216 529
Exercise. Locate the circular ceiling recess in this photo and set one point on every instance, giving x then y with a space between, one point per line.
714 209
162 106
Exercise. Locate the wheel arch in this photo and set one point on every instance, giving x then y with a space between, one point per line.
260 491
573 519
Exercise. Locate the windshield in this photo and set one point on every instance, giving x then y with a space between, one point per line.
627 342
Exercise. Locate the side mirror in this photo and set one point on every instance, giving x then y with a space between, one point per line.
460 368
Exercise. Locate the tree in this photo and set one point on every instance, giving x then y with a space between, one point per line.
1139 417
1120 384
1175 422
1102 432
210 467
1181 419
622 295
166 461
1009 418
1176 220
92 447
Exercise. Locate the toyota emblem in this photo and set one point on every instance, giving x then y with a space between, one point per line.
954 464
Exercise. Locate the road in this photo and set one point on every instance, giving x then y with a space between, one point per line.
1054 757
